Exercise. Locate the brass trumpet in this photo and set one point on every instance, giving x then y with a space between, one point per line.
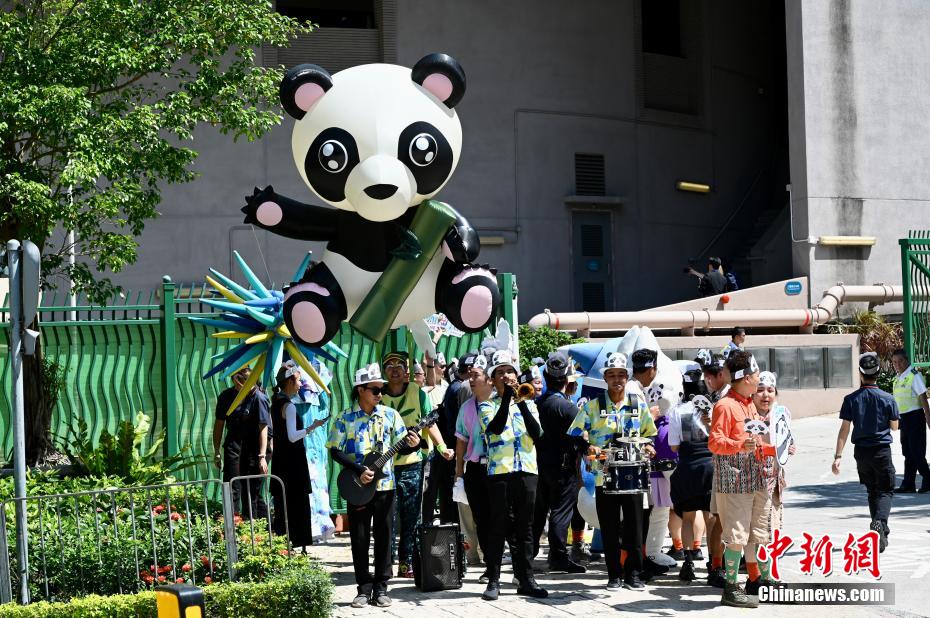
525 392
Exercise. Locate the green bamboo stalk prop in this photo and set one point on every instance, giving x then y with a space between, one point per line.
374 316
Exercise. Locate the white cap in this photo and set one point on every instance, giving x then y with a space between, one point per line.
767 378
367 375
616 360
502 358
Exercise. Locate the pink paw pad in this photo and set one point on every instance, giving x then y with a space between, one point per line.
269 213
476 306
309 324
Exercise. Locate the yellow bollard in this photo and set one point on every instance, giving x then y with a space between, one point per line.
180 601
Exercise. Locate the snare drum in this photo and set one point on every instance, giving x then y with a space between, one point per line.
626 477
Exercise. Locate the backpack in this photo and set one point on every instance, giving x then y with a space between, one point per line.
732 283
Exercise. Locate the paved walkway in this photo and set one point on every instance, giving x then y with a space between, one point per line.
816 502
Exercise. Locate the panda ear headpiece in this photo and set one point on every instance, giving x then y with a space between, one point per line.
442 76
303 86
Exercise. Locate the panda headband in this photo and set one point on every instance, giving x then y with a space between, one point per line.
742 373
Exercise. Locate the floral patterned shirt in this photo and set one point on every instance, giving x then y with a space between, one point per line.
357 433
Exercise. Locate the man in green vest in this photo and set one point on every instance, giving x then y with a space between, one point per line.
910 393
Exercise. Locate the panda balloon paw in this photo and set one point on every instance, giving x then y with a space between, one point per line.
468 295
314 307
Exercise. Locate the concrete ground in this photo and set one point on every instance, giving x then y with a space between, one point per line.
816 502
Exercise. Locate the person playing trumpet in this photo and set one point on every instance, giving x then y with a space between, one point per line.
618 412
510 426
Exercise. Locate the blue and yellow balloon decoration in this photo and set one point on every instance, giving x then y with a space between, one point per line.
256 316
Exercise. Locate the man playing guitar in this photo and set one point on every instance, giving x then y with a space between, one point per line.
359 430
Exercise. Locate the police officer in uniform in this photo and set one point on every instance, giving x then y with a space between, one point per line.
872 415
910 393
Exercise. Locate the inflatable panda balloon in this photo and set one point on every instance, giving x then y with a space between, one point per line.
375 142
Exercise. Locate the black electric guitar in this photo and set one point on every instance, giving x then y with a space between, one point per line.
351 486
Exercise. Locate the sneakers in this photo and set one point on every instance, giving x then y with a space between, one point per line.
568 566
484 577
663 559
752 589
633 582
654 568
879 527
405 570
696 554
677 554
492 591
906 489
614 584
360 600
382 600
580 552
734 596
716 578
686 574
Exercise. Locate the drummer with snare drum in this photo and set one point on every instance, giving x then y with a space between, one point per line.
619 429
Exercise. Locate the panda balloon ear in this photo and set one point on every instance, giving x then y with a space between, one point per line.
442 76
303 86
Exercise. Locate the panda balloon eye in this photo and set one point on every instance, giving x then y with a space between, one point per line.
333 156
423 149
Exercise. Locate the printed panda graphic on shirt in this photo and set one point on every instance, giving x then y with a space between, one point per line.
375 142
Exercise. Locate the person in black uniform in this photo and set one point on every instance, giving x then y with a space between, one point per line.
872 414
557 487
246 444
290 461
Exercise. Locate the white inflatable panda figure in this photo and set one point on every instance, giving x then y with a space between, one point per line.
374 142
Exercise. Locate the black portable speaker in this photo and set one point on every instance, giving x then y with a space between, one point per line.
439 557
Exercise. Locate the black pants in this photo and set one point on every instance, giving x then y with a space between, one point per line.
511 501
914 448
476 489
556 495
608 515
375 517
876 472
236 464
439 485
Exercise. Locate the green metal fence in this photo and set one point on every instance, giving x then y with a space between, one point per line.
142 354
915 277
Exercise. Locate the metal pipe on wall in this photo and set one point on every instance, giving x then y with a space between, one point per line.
802 318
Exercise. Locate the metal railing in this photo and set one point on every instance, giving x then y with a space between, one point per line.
124 540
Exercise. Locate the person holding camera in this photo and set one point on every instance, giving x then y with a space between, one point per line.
713 281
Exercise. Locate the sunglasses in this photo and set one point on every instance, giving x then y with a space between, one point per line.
375 390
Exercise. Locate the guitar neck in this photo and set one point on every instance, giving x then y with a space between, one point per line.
395 448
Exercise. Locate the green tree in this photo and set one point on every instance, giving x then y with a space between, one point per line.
540 342
99 102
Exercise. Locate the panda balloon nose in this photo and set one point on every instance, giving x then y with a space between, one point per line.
380 192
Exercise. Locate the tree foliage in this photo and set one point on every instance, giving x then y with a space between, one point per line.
540 342
99 101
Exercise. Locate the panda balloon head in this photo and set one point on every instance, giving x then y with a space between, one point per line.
376 139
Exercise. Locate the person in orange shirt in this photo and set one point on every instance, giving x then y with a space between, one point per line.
740 492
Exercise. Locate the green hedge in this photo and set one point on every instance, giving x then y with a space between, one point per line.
305 592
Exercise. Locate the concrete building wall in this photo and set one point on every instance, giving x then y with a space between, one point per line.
859 99
545 80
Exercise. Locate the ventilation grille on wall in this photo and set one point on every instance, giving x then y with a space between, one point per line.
592 297
592 241
589 174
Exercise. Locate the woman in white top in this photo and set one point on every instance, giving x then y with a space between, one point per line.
290 459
